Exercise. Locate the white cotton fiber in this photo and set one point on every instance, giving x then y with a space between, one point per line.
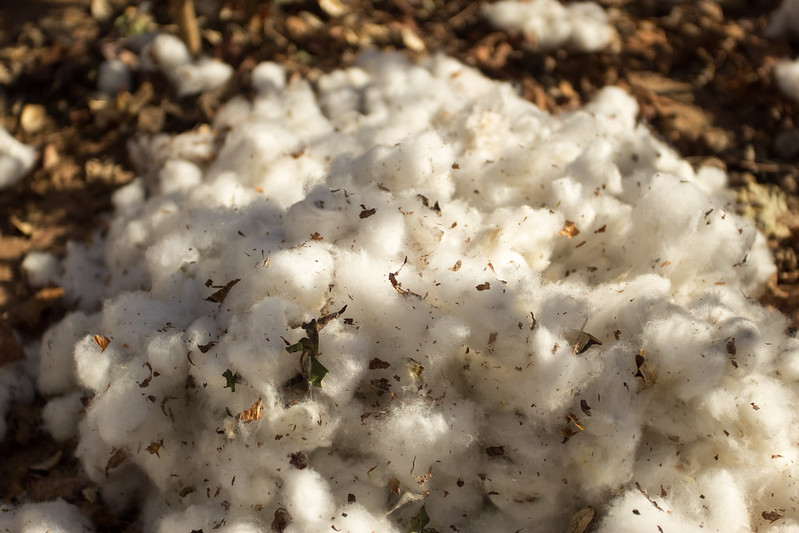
16 159
40 268
518 316
786 73
56 363
582 25
61 415
170 55
53 517
113 76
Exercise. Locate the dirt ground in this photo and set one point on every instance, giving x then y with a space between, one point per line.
701 72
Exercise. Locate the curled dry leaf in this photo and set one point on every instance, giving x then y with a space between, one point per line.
115 460
584 342
378 364
251 413
581 520
299 460
495 451
569 230
220 295
102 342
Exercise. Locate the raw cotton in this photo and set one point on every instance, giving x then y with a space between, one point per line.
786 72
406 294
582 26
16 159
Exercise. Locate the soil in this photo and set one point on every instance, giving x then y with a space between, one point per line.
701 72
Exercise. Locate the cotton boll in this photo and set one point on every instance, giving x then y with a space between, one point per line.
329 213
679 350
179 175
203 75
268 77
16 159
413 438
356 519
113 76
120 411
56 364
167 355
192 518
583 26
596 168
787 75
129 198
92 366
167 51
788 361
55 517
307 498
632 512
61 416
39 267
303 274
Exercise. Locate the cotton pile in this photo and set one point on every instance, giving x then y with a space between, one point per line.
405 294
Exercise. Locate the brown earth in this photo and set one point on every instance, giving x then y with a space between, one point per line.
702 74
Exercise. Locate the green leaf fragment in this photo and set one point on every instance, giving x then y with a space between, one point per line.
230 380
185 491
419 522
309 346
318 372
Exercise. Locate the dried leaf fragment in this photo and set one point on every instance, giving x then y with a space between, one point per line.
456 266
772 516
205 347
251 413
366 213
154 447
220 295
230 380
378 364
299 460
483 286
281 520
115 460
102 342
584 342
643 372
419 521
146 381
569 230
581 520
495 451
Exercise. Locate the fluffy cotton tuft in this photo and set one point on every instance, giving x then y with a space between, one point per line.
170 55
16 159
583 26
786 73
113 76
54 517
40 268
518 317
